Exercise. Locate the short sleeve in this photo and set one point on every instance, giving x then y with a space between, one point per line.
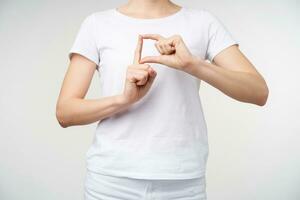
85 43
219 38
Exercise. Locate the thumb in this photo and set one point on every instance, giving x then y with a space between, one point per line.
151 59
152 77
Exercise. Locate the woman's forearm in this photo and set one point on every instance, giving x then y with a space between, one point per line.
76 111
242 86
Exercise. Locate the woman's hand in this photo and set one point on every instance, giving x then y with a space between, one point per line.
173 50
139 77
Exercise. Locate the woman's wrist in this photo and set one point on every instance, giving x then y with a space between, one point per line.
122 100
194 64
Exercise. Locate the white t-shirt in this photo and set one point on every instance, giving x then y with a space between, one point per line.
164 134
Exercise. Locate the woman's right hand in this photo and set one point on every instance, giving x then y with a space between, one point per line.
139 77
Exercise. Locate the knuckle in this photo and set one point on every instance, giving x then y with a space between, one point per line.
145 78
142 78
164 40
130 77
166 45
146 66
176 36
157 47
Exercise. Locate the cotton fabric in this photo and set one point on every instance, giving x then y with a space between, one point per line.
106 187
163 135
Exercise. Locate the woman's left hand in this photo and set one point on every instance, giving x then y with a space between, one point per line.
173 50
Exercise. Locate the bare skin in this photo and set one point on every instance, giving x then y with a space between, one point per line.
73 109
231 72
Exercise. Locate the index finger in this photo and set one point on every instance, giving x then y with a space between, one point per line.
152 36
138 51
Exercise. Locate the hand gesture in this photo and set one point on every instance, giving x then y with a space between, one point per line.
139 77
173 50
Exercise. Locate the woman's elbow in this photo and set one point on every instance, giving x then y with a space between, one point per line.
263 96
61 117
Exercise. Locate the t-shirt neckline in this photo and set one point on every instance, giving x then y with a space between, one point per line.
147 20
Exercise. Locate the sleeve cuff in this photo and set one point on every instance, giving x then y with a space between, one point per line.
220 49
89 57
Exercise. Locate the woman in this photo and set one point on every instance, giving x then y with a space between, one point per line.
151 137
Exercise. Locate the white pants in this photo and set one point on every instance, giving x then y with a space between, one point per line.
105 187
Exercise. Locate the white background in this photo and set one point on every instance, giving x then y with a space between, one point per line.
254 151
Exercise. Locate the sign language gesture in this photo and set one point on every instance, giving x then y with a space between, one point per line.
173 50
139 77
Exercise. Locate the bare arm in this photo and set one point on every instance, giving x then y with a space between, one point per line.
72 108
233 74
230 72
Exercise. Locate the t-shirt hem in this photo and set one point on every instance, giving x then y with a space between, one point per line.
151 176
